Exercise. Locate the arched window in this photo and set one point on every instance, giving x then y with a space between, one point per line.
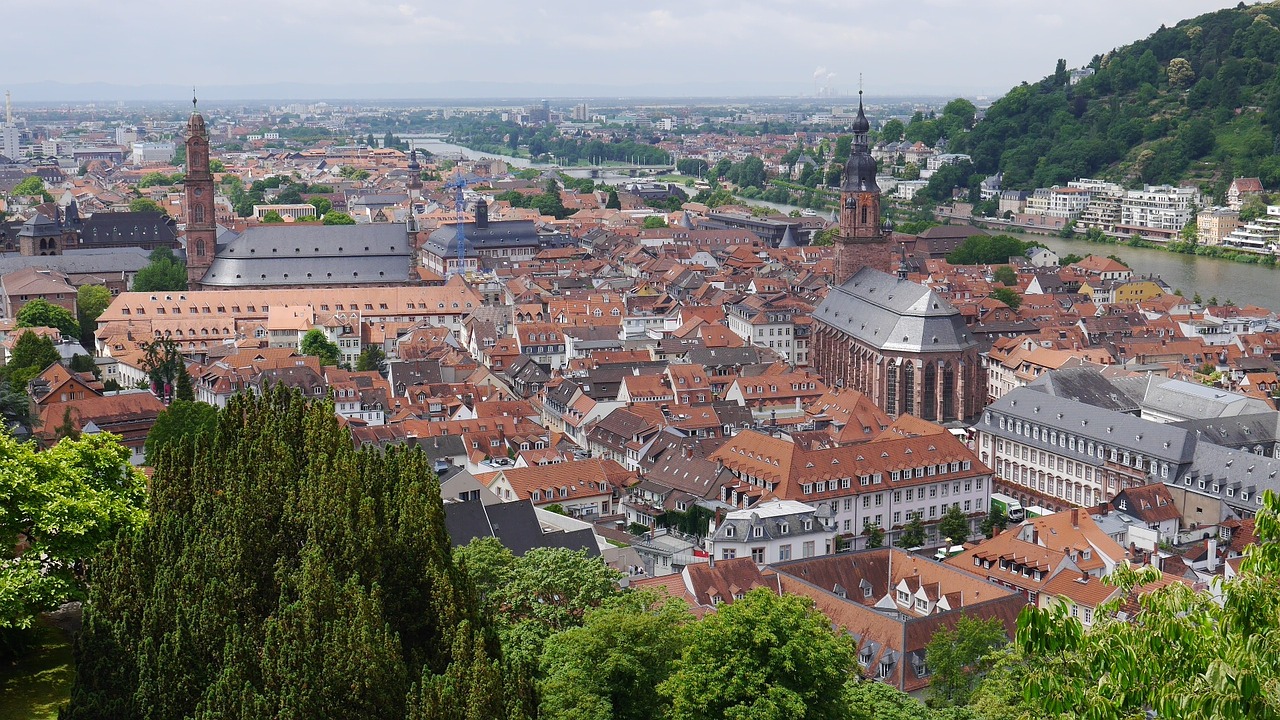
948 392
929 393
891 388
199 248
864 214
909 389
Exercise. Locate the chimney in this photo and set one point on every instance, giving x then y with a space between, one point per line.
1075 518
1211 545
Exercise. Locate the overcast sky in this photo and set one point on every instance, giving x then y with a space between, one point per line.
579 46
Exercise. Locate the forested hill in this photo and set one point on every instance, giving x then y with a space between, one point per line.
1198 101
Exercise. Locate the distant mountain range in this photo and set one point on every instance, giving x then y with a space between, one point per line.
1198 102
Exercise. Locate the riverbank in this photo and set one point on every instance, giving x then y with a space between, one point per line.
1176 248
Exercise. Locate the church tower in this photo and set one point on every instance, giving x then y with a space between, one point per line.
202 228
863 240
415 176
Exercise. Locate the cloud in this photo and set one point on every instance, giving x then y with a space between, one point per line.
778 46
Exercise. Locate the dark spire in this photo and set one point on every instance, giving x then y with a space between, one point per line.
193 99
860 124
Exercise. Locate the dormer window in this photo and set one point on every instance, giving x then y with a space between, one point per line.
728 531
757 531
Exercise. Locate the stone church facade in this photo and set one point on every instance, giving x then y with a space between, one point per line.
899 343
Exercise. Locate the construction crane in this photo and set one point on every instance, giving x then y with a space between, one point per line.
458 184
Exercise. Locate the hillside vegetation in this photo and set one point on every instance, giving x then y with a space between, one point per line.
1198 101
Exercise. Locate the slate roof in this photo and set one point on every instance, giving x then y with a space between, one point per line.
128 227
280 254
76 262
1086 385
516 526
894 315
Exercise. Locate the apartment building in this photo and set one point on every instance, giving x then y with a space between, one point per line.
886 482
1157 211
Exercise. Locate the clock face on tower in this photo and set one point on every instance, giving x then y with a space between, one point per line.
197 191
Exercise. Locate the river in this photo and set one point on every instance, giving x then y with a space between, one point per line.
1211 277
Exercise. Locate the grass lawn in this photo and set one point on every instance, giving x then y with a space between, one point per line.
34 687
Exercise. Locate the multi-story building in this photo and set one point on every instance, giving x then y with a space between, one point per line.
900 344
300 211
1059 202
886 482
1157 211
1262 234
153 153
772 531
765 321
1214 224
1057 451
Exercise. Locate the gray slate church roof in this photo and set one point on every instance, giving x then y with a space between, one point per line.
305 255
894 315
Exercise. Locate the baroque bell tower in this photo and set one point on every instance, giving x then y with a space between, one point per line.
202 228
863 240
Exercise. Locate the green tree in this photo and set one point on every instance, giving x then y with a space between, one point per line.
15 406
959 656
91 301
912 534
892 130
994 521
654 222
827 237
271 216
874 700
145 205
954 525
763 656
608 668
164 273
1006 275
182 388
62 504
873 533
333 217
182 422
164 365
154 178
217 166
316 344
1069 259
613 203
372 359
322 205
1008 296
42 313
30 356
31 186
549 590
283 573
1188 654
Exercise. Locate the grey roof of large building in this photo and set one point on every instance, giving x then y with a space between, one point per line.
369 254
1188 400
1101 425
496 234
895 315
75 262
1086 385
1236 477
1237 431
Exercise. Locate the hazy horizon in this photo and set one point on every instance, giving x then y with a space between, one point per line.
366 49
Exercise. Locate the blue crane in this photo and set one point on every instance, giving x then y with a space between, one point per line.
459 184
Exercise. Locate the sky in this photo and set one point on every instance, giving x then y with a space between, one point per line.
530 48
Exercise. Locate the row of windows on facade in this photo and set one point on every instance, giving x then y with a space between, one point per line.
757 531
757 389
1092 450
935 512
1080 445
894 476
758 554
550 493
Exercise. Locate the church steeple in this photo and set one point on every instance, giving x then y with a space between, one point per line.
202 228
862 241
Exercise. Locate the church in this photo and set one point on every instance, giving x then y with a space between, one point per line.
897 342
282 256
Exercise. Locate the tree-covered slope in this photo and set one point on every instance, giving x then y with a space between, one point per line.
1199 101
